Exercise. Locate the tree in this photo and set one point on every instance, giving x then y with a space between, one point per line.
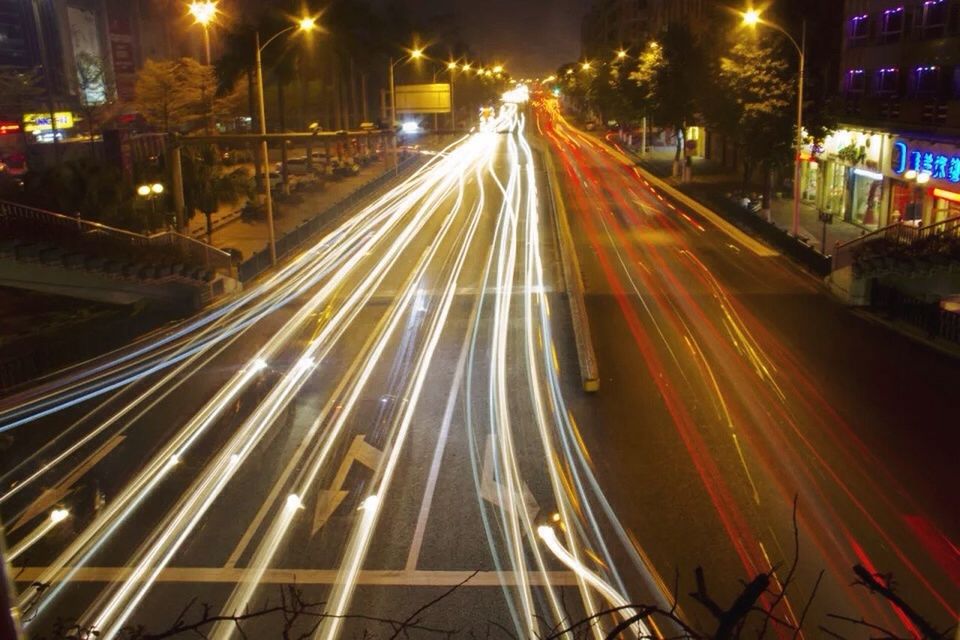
759 90
174 95
673 75
206 185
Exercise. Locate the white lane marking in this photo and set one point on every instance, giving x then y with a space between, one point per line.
425 504
387 578
492 492
50 497
329 499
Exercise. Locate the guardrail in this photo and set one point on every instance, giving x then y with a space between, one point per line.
933 319
54 225
260 261
900 233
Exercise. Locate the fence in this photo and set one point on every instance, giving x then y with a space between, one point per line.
934 320
260 261
53 226
898 233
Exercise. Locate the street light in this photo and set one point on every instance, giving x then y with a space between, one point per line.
415 54
621 54
751 18
151 192
586 66
204 13
304 24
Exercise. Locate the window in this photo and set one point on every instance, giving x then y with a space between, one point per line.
891 25
887 81
856 81
859 27
927 81
934 18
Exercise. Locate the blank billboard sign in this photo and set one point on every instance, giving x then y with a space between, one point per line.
423 98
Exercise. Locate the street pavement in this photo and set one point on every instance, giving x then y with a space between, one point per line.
388 417
731 385
396 411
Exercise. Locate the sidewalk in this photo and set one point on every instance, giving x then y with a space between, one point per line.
709 177
250 236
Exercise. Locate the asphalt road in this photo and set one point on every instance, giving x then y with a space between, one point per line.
388 417
731 385
398 412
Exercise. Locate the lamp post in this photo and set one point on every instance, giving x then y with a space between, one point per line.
204 12
751 18
304 24
451 67
415 54
151 192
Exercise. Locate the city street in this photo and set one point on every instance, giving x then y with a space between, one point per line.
397 411
375 423
731 384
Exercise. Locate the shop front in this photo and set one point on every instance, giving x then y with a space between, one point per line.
843 177
926 180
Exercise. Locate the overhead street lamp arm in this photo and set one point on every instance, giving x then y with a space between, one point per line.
786 34
275 36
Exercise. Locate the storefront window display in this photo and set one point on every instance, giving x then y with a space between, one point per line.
810 181
945 207
900 208
865 197
834 187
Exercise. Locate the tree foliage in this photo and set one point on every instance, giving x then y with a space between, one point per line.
207 185
673 76
759 93
178 95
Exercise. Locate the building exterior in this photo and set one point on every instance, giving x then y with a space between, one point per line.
896 154
611 25
57 37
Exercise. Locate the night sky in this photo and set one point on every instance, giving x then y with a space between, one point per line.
531 37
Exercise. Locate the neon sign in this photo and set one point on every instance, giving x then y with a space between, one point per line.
939 166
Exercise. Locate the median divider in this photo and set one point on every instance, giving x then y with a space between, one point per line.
586 356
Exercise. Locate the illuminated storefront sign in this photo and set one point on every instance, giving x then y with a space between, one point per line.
41 121
939 166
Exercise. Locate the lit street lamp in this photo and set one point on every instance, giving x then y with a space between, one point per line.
304 24
151 192
204 13
415 54
752 18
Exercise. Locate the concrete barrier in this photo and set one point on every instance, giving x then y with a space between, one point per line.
586 356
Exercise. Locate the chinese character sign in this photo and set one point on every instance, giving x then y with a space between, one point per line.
940 166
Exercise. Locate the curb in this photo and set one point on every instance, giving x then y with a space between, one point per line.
586 356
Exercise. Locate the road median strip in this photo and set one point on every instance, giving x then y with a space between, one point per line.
587 358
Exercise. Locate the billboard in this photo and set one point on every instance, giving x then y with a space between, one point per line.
34 122
423 98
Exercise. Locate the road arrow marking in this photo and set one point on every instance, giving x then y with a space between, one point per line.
56 493
328 500
491 491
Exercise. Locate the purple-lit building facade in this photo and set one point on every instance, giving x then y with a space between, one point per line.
897 152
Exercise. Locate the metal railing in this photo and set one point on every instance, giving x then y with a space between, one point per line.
930 317
57 225
290 241
898 233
